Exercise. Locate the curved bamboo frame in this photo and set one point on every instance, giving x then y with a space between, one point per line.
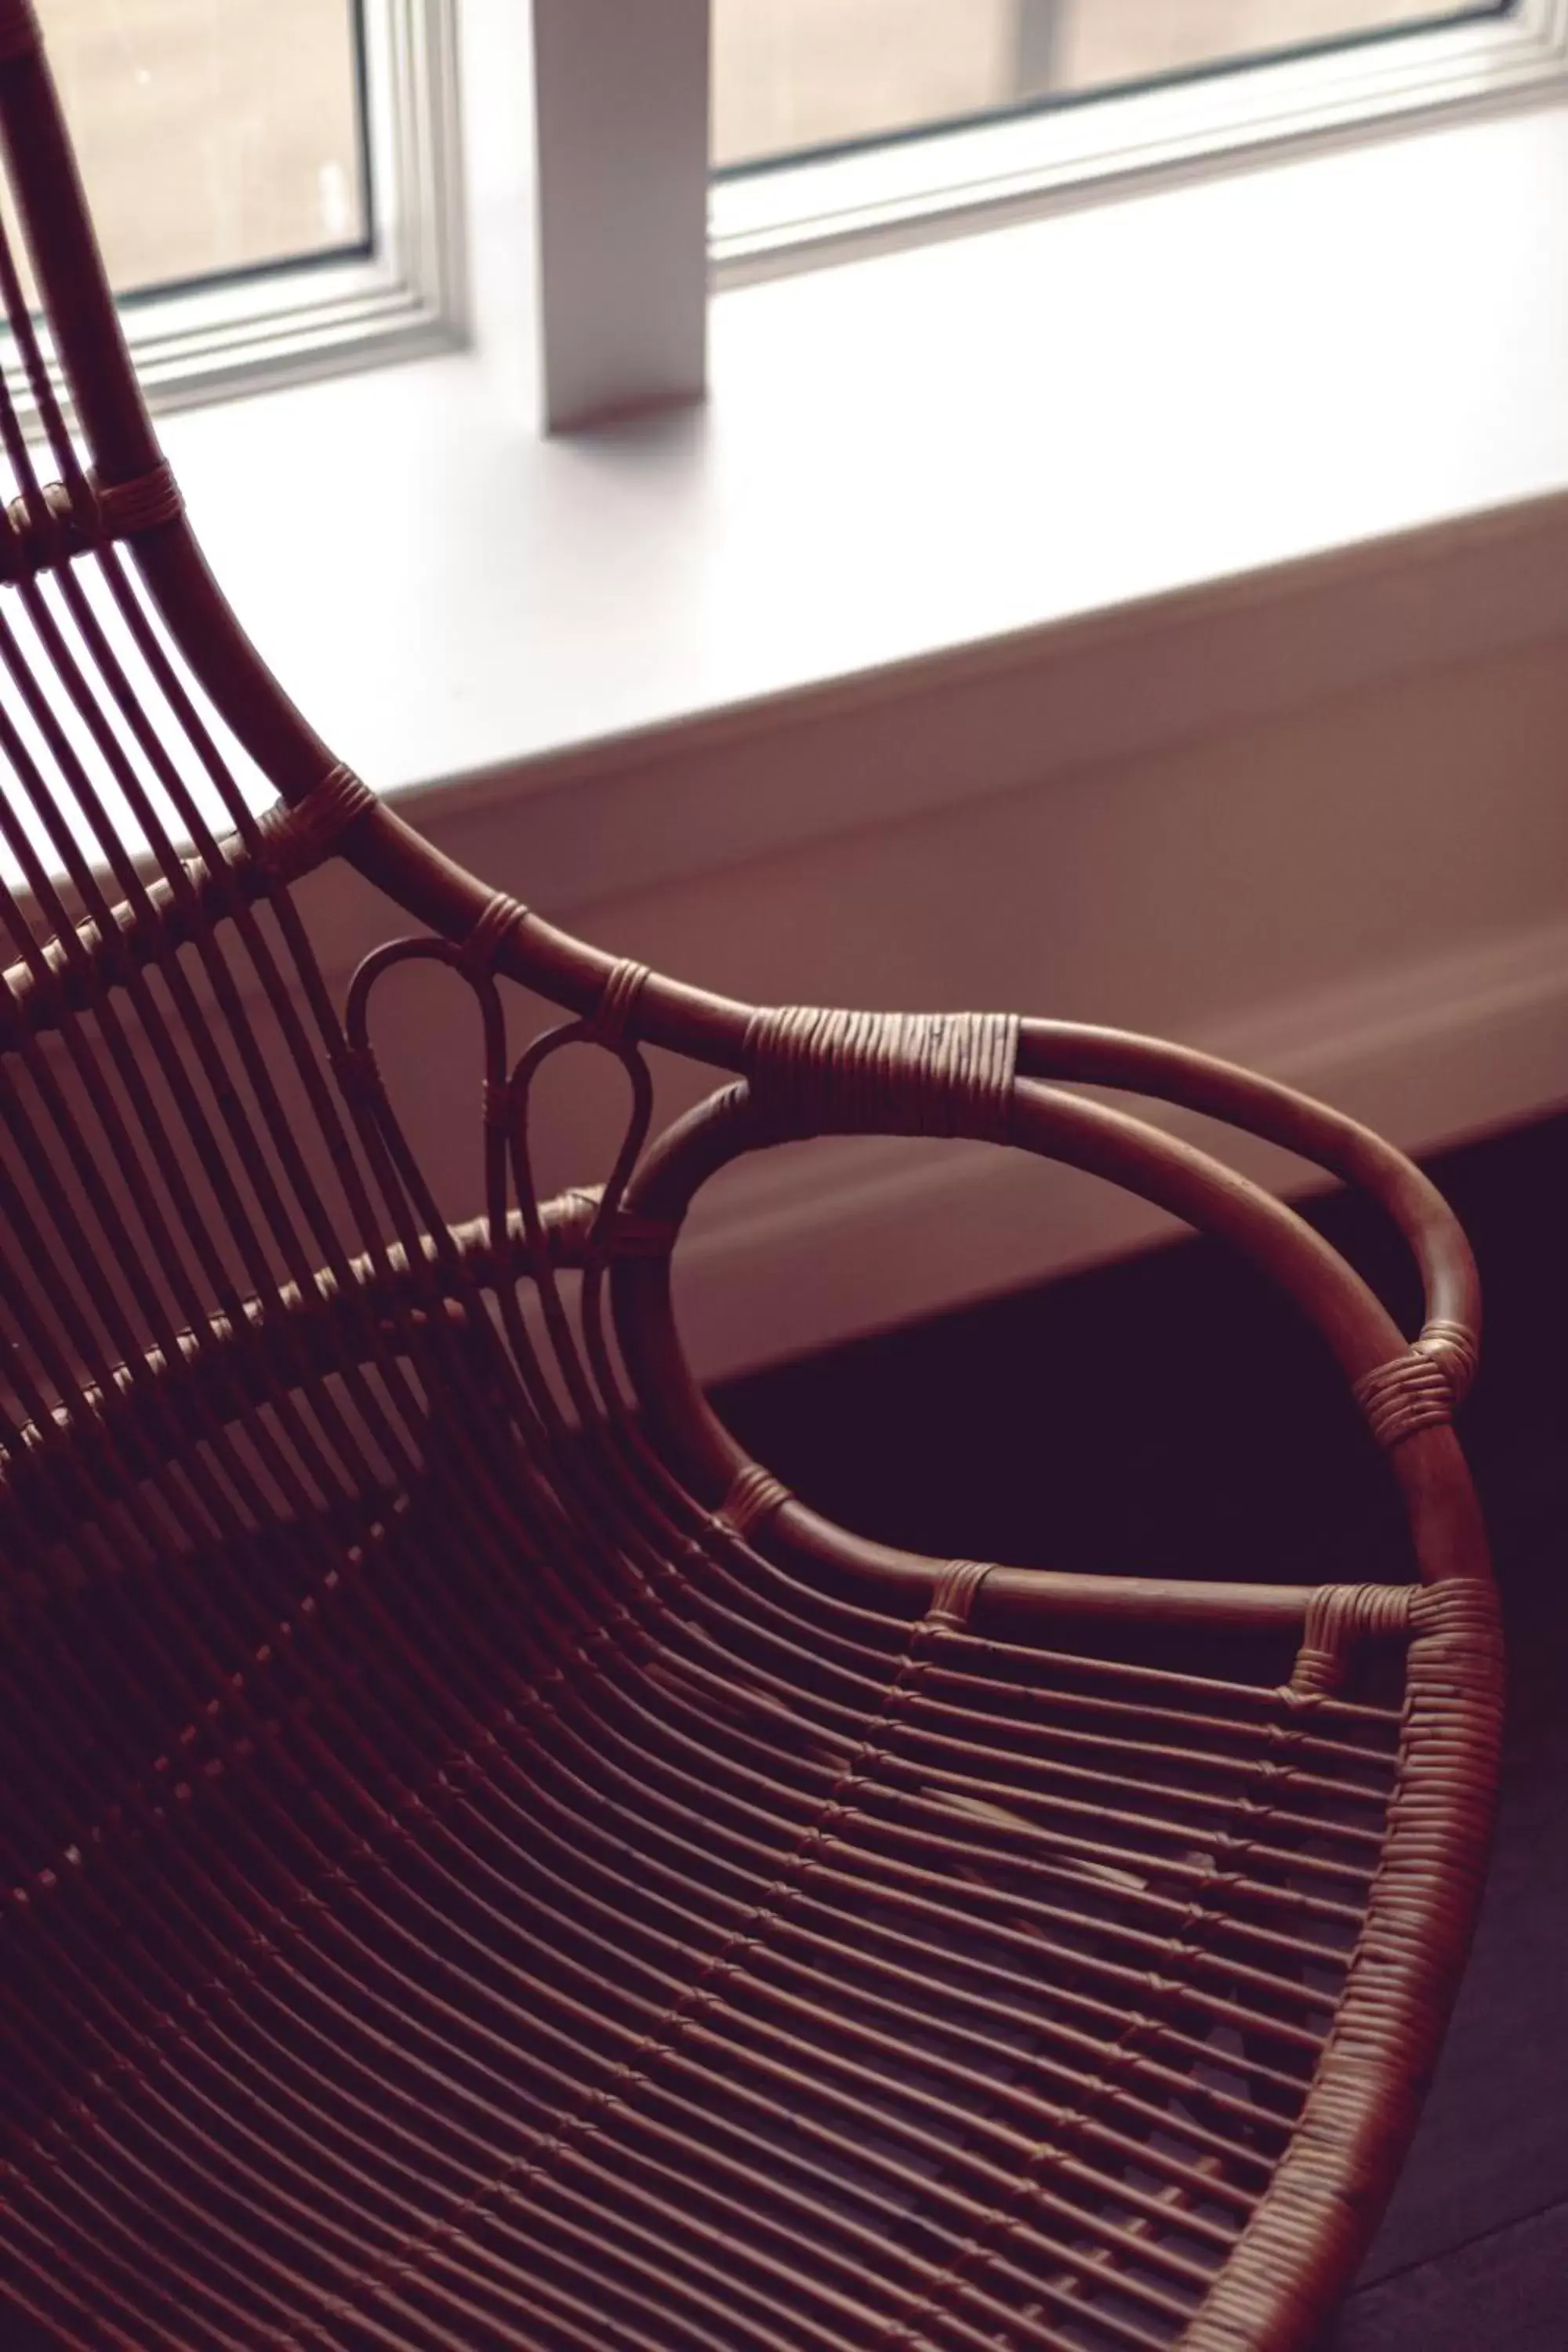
486 1865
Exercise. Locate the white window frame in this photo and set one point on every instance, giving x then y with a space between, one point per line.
831 207
633 182
406 298
631 231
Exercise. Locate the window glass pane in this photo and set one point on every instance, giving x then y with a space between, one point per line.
215 135
790 75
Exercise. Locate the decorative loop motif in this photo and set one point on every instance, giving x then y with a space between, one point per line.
359 1074
1339 1618
476 956
754 1495
570 1221
955 1592
296 836
1402 1398
815 1072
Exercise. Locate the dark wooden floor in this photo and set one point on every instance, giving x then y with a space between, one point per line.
1163 1413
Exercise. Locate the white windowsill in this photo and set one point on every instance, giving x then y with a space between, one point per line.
951 456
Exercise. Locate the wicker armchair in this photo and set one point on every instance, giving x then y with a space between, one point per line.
485 1865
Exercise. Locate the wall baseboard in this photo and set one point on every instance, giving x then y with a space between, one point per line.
810 1245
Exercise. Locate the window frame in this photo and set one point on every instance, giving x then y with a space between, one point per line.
407 297
623 197
625 204
796 213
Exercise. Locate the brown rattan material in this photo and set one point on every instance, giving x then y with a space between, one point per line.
485 1865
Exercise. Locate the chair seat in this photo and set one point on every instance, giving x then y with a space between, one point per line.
506 1959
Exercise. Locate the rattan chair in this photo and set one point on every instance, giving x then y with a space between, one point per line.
485 1865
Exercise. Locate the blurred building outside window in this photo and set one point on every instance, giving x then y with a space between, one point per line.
792 75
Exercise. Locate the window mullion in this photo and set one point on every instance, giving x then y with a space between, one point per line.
621 101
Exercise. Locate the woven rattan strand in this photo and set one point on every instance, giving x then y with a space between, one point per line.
486 1864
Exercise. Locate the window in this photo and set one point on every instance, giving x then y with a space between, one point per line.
839 123
255 112
302 212
811 130
306 210
796 75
